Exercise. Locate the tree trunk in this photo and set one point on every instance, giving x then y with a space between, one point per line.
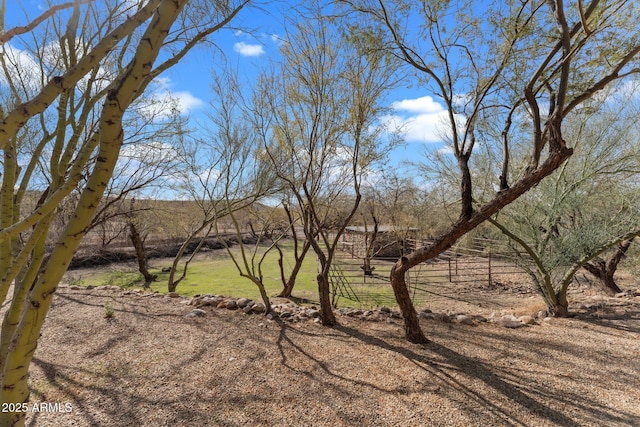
326 311
368 270
466 188
141 255
413 332
605 270
462 226
366 266
560 307
558 310
289 283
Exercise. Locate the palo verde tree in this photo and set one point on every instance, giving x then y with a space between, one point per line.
76 60
246 178
587 207
318 116
223 172
521 67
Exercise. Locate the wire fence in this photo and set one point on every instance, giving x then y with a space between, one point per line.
484 263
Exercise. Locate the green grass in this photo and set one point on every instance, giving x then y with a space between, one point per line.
217 275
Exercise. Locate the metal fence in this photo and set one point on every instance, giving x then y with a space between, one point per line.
484 262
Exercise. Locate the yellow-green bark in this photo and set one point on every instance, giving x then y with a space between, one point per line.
13 378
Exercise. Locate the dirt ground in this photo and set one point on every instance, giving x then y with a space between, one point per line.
150 365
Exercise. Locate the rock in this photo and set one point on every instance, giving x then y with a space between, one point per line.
510 322
621 294
208 301
258 307
166 269
196 312
527 320
441 317
90 287
312 313
173 295
286 314
395 315
464 319
243 302
423 315
247 309
542 314
232 305
353 312
426 310
384 309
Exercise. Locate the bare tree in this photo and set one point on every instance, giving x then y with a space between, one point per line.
318 117
224 174
526 64
92 59
589 206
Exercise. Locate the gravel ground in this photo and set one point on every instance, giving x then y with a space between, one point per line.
150 365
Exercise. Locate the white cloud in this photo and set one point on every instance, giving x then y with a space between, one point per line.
420 120
21 65
187 102
246 49
183 101
277 40
424 105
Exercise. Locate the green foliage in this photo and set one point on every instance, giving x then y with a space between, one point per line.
109 311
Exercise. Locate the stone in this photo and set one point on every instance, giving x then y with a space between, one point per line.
313 313
527 320
464 319
232 305
542 314
173 295
258 308
243 302
384 309
508 322
621 294
441 317
423 315
196 312
247 309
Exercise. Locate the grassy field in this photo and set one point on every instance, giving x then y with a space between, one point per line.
210 273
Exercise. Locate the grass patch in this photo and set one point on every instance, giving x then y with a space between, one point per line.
216 275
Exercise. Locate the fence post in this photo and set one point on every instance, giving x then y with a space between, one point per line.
489 266
456 255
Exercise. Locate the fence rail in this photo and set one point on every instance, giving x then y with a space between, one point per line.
485 261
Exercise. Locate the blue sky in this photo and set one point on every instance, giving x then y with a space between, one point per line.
248 48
